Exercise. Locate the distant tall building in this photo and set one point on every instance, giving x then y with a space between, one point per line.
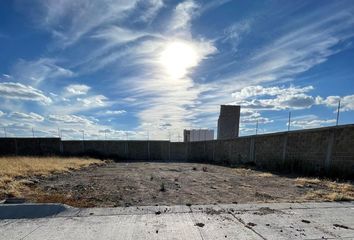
229 121
195 135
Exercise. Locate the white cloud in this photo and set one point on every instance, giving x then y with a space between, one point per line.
313 123
6 75
2 113
70 119
18 91
93 101
182 16
274 98
347 102
26 117
77 89
249 116
115 112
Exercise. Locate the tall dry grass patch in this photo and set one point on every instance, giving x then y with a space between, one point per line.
322 189
14 171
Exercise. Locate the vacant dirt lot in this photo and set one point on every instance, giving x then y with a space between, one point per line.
125 184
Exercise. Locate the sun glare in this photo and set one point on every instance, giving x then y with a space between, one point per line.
177 58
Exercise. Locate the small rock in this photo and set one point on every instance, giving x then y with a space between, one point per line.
251 224
200 224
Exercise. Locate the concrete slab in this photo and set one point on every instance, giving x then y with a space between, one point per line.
229 221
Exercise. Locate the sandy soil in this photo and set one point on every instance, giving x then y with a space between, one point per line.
126 184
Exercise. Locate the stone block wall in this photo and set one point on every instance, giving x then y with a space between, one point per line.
324 151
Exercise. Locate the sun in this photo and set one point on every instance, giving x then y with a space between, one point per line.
177 58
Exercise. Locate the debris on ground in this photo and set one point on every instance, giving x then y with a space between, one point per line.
200 224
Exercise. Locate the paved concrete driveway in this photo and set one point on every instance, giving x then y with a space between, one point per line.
241 221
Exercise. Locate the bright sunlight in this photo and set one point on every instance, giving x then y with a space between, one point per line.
177 58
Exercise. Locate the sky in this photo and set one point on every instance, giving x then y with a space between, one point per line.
147 69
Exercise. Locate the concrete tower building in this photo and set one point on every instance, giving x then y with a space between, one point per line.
229 121
195 135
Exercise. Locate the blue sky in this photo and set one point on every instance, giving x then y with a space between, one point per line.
141 69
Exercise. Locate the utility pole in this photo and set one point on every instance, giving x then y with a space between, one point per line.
105 134
5 132
148 135
179 137
338 113
289 121
83 135
257 127
32 133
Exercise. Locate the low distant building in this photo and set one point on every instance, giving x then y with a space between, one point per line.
195 135
228 122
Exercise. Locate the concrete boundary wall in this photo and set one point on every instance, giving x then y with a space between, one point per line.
323 151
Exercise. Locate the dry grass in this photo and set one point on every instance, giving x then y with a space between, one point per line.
327 190
265 175
15 171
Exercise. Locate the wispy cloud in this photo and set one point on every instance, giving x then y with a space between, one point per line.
37 71
312 123
32 117
77 89
114 112
70 119
182 16
18 91
80 16
235 32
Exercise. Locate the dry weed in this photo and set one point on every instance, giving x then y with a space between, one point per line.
265 174
15 171
326 190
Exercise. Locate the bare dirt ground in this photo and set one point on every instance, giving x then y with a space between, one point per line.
141 183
